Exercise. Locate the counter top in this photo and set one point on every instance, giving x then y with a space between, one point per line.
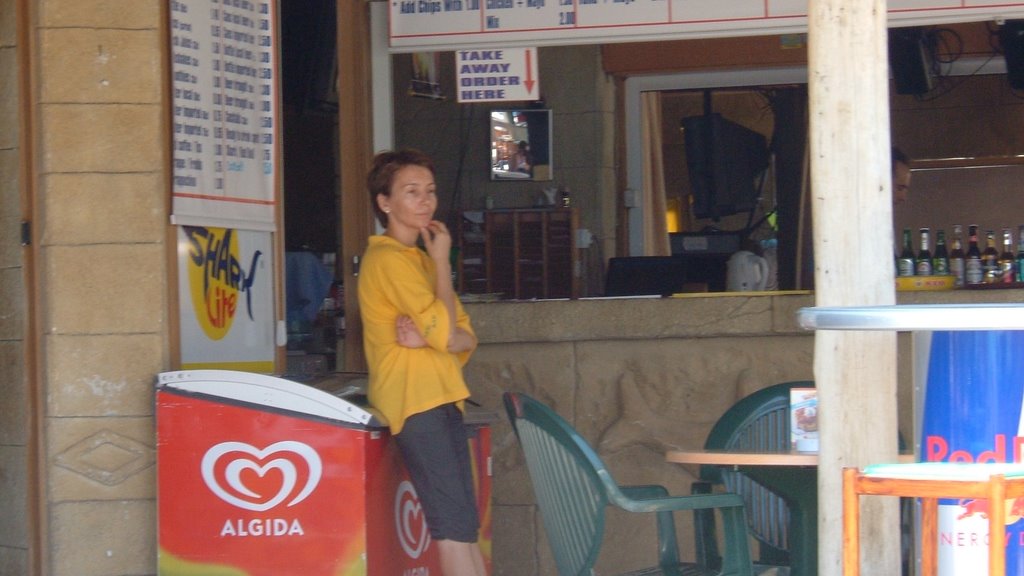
906 317
706 315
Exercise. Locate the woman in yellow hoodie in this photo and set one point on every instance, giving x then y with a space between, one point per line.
417 337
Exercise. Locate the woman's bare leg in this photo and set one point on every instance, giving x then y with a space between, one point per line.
460 558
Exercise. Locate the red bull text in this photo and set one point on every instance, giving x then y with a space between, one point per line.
973 413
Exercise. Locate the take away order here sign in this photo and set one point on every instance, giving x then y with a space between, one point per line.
497 74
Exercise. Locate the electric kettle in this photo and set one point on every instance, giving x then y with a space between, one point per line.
746 272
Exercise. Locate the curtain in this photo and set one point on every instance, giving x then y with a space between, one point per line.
653 201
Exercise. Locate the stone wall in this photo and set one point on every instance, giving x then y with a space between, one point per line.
101 234
14 436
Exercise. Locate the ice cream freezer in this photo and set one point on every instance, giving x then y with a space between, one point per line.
263 476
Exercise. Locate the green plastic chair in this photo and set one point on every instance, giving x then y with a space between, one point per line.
574 488
757 423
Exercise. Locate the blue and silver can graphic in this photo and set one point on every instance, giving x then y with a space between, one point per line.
973 413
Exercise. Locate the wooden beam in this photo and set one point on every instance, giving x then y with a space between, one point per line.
851 200
356 152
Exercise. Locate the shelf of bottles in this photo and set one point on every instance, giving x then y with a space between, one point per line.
983 261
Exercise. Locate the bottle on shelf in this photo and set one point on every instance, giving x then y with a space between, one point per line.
905 265
1007 259
972 261
940 261
990 259
923 263
1020 255
564 198
956 257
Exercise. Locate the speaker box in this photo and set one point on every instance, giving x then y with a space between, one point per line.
910 60
1011 38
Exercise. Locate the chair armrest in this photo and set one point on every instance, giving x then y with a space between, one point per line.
673 503
732 509
668 543
705 543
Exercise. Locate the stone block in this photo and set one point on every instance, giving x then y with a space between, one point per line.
544 371
101 458
625 319
13 506
103 375
14 405
101 65
13 560
784 312
11 251
545 556
9 104
105 289
569 75
126 14
104 208
663 394
12 304
513 527
585 126
102 538
8 33
102 138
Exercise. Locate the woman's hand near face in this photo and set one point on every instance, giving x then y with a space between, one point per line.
437 240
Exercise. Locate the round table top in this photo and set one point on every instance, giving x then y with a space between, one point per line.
724 458
908 317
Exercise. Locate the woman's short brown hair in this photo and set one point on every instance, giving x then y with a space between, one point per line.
382 174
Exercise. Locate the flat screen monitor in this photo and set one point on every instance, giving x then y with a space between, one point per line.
644 276
725 161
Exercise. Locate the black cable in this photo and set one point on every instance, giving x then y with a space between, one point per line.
466 127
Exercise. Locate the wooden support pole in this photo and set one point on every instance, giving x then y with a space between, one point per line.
853 265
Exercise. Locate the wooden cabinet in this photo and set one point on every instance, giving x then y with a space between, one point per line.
519 253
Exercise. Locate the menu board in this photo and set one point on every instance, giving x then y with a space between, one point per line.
224 114
437 24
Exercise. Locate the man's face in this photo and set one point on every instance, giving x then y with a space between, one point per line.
900 182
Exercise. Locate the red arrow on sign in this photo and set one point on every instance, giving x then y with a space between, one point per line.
529 73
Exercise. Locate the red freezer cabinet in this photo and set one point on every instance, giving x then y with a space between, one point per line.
262 476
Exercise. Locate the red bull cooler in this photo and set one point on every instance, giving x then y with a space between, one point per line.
972 412
261 476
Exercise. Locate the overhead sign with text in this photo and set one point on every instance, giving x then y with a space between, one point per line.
450 24
497 75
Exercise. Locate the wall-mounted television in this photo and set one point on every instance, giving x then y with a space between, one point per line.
521 144
725 161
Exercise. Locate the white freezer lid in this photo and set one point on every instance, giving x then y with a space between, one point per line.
270 391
